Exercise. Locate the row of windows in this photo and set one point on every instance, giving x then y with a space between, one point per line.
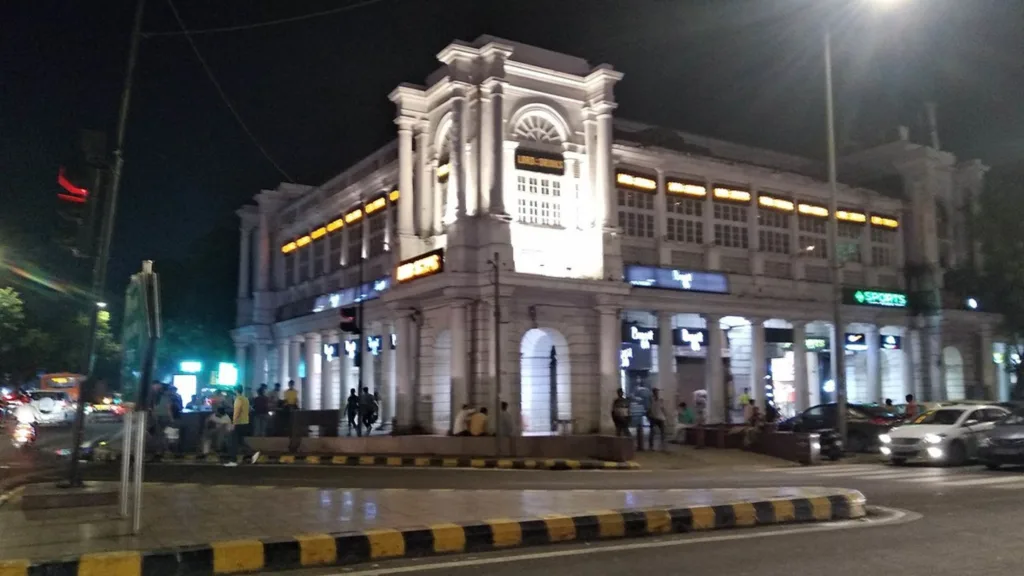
539 200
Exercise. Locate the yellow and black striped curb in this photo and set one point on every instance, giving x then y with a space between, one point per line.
396 461
311 550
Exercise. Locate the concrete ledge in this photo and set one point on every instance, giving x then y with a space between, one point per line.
307 551
393 461
49 496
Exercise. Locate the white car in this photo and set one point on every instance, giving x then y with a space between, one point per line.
946 435
45 408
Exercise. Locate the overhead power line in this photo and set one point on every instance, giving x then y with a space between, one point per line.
241 27
223 96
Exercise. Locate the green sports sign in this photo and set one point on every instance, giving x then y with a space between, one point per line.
877 298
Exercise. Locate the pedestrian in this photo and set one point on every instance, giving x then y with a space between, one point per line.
656 416
684 419
367 408
508 423
352 411
216 430
260 412
275 396
478 423
460 427
620 413
240 428
291 397
911 410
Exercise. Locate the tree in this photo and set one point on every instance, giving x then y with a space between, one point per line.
1001 281
12 316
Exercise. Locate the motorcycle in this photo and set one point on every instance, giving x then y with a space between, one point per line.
24 435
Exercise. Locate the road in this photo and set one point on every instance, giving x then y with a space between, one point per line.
969 521
43 457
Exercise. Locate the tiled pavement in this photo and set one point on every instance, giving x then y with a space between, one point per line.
188 514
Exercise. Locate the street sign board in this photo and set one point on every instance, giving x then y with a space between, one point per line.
876 298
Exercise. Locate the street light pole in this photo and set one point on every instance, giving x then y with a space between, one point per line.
106 235
838 338
497 356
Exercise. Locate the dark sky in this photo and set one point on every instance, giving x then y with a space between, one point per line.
314 92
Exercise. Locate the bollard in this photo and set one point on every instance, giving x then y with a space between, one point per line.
126 461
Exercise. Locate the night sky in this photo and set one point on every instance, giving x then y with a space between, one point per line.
314 92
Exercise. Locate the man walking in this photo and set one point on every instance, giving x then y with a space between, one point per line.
656 416
352 411
620 413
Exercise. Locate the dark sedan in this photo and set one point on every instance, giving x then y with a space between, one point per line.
1004 444
864 422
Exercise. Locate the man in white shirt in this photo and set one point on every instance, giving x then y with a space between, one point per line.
656 415
461 425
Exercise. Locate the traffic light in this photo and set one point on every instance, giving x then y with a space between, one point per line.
350 320
79 196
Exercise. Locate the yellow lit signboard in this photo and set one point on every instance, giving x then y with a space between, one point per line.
420 267
635 182
722 193
539 162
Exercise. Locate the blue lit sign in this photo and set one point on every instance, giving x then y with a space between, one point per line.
674 279
353 295
374 344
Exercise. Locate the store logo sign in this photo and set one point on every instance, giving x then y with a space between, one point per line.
421 266
642 336
685 279
856 342
692 339
626 357
350 348
374 344
330 352
890 342
875 298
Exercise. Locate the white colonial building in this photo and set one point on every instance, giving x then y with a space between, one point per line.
627 256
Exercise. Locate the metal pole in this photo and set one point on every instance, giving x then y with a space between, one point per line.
139 455
497 356
838 339
126 463
362 334
106 234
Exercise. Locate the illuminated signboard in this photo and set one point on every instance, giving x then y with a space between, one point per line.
420 267
692 338
816 344
545 163
353 295
331 352
856 342
673 279
877 298
890 342
374 344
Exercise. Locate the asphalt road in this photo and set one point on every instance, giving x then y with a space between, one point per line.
42 456
960 521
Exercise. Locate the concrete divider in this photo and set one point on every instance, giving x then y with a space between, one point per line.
596 447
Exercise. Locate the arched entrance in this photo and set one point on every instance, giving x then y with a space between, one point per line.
954 365
544 380
441 384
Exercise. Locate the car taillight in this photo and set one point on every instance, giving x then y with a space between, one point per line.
881 422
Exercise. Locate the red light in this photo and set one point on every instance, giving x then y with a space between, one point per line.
70 198
71 188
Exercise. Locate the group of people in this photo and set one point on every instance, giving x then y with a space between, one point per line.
363 410
475 422
235 417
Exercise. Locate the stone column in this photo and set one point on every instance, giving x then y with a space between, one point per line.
367 360
713 373
330 384
460 359
423 198
987 380
758 363
311 386
873 340
497 151
457 176
294 359
406 207
387 386
259 361
595 208
346 365
282 364
667 359
803 392
240 359
404 406
909 346
660 218
263 252
483 155
605 168
244 260
610 339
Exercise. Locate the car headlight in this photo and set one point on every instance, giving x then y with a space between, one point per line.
884 439
933 438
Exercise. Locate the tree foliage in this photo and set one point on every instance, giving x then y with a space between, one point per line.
12 316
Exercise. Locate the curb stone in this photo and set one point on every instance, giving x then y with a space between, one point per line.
320 550
394 461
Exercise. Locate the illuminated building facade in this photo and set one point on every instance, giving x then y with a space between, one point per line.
614 241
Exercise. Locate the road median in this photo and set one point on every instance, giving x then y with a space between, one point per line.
389 461
578 518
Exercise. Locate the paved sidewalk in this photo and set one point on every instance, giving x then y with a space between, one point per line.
240 524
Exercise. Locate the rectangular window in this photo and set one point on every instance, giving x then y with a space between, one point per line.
319 264
335 241
813 240
378 228
850 235
883 246
289 268
731 225
354 250
636 213
539 200
305 253
773 231
685 220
